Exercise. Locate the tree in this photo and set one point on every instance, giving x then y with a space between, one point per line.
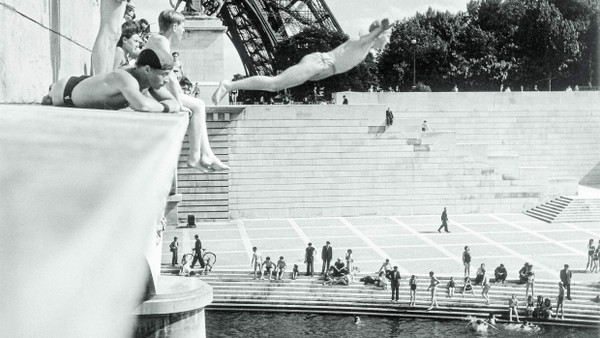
548 43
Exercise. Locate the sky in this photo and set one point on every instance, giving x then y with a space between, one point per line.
354 16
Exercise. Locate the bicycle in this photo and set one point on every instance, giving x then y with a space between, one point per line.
209 259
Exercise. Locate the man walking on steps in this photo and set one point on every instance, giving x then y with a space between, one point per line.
198 253
444 221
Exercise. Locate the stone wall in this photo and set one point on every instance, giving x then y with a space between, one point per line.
201 54
41 41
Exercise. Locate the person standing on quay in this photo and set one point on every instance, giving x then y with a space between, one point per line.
565 278
444 221
309 259
395 283
433 283
256 262
326 256
466 258
349 260
389 117
173 247
486 287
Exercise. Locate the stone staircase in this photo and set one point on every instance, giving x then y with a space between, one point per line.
237 291
567 210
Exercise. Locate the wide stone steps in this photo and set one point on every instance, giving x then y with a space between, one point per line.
238 291
567 209
285 154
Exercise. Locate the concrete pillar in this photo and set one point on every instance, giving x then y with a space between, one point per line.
201 53
177 309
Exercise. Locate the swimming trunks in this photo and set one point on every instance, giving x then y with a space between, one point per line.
68 92
327 63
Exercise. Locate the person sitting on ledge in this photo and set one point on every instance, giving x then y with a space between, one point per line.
530 306
269 267
523 274
382 281
121 88
479 275
203 158
500 274
313 67
128 47
467 287
339 268
280 269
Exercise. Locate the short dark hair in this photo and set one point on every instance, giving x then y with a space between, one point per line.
144 21
128 29
175 53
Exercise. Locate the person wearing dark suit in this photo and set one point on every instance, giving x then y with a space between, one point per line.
444 221
198 253
326 256
309 259
565 278
395 278
173 247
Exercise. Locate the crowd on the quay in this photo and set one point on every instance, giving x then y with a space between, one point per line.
342 272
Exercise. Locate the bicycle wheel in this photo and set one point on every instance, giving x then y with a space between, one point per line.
209 259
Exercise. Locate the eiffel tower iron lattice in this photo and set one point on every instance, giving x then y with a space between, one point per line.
256 26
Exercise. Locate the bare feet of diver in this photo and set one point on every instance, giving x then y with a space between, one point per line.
207 163
221 91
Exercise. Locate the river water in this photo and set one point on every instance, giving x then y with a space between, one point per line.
259 324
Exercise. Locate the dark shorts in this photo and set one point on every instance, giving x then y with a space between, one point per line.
71 84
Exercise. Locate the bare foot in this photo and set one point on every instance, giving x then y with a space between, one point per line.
221 91
374 26
385 24
207 163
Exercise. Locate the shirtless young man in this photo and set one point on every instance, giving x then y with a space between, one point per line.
314 66
120 88
201 154
128 46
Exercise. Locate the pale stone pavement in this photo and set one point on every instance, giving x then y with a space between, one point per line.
411 242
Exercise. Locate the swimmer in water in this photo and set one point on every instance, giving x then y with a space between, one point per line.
356 319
